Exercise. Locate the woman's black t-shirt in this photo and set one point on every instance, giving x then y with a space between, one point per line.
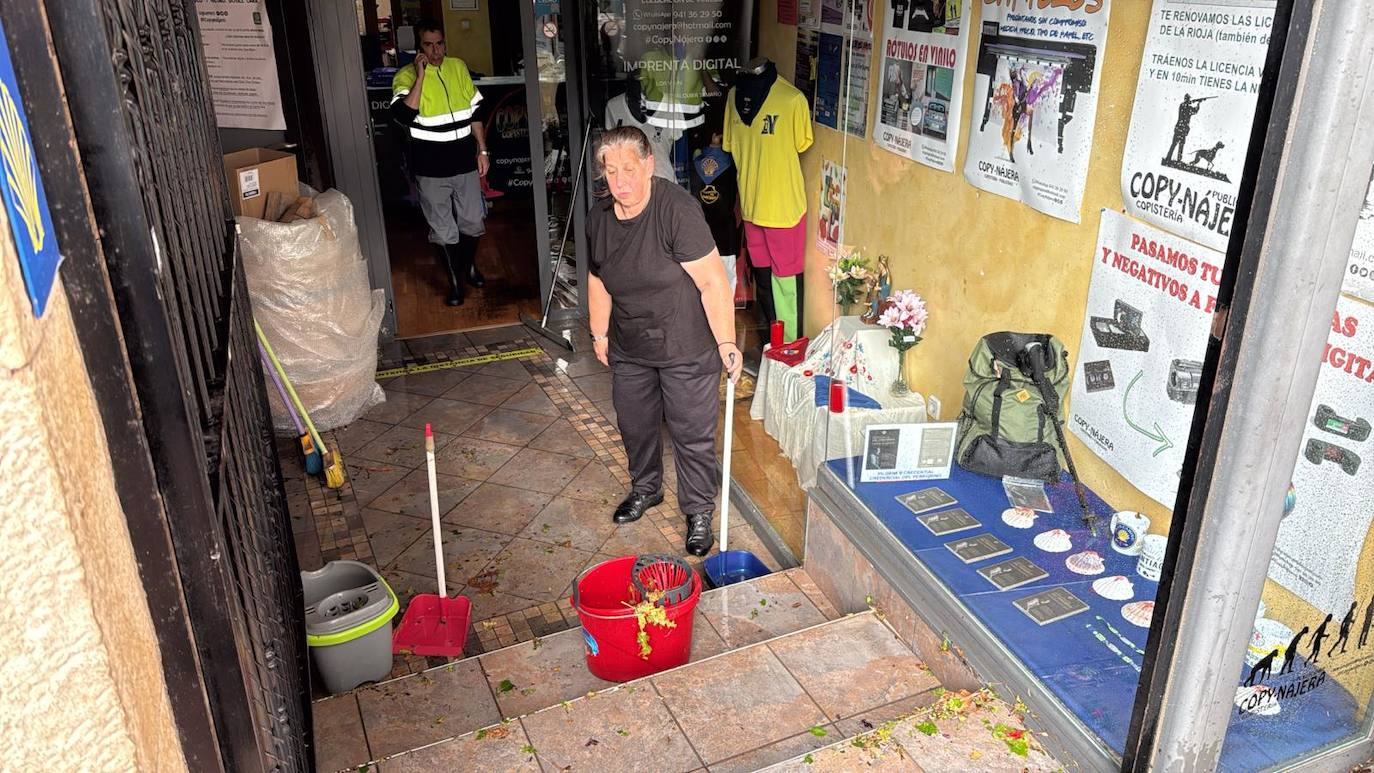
656 314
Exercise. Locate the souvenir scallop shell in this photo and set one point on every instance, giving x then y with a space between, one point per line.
1257 700
1054 541
1139 613
1087 562
1117 588
1019 517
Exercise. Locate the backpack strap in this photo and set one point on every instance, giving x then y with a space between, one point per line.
1002 383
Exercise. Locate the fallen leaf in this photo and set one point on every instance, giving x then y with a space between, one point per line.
819 731
796 605
537 642
592 742
567 543
527 749
622 732
866 724
438 721
449 668
928 727
808 759
529 691
505 686
763 602
498 732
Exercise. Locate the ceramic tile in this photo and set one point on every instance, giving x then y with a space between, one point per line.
737 702
853 665
571 523
503 747
514 370
579 365
562 438
487 390
641 536
390 534
401 446
444 342
410 496
778 751
408 585
397 406
447 415
473 459
596 387
765 608
498 508
516 428
356 435
542 673
466 553
626 726
842 758
535 570
488 603
705 641
595 484
495 335
369 479
874 718
539 471
607 409
967 737
532 399
432 383
408 713
339 739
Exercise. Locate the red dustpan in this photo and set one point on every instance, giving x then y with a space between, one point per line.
433 625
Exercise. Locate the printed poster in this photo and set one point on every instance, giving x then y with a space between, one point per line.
842 67
1035 102
787 12
236 38
830 222
1150 304
922 92
1359 276
1320 542
829 68
808 52
1194 104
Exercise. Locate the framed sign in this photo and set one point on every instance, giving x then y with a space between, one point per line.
894 452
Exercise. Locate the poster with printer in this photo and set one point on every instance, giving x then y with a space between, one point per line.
923 48
1194 104
1035 93
1320 543
1150 305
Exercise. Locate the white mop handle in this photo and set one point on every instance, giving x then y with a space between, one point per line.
434 511
725 462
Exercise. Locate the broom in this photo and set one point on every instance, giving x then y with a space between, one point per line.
333 462
314 464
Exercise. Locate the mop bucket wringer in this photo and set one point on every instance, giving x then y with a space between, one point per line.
605 599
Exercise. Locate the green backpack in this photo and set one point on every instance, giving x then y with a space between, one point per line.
1013 394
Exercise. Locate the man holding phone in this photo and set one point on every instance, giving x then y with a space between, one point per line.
435 100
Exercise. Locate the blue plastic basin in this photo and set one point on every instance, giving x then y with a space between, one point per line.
733 566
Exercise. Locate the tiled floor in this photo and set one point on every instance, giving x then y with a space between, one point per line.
529 470
448 701
738 711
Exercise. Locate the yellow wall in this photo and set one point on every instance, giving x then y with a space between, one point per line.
983 263
472 45
81 669
986 263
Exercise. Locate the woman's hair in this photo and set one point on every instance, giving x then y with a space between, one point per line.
622 136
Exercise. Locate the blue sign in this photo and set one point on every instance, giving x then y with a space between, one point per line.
25 201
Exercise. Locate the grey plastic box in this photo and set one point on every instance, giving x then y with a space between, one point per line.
348 615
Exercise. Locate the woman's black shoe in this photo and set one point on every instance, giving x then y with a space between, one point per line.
700 535
635 506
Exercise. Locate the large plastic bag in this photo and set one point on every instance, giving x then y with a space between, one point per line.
309 285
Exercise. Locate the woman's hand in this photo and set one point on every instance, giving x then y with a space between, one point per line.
601 348
733 360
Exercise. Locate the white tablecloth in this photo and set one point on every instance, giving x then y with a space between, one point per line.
785 398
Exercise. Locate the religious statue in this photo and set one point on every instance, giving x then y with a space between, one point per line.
879 288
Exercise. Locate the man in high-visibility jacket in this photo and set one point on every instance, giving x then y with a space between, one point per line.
436 102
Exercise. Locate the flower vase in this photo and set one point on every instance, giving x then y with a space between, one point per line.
899 387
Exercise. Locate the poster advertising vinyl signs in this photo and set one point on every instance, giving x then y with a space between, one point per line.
1035 101
1194 105
1322 538
923 50
1150 305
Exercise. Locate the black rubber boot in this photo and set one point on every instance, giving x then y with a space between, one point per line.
453 264
468 249
700 535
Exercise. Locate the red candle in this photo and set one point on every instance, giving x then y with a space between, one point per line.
836 397
775 334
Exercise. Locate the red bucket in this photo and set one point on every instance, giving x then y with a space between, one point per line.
611 631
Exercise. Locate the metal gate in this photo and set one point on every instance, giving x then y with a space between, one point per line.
162 313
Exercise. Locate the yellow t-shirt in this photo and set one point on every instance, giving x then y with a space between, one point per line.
772 189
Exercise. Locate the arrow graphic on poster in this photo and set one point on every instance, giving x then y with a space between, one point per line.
1158 435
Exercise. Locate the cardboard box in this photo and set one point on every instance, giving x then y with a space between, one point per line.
256 172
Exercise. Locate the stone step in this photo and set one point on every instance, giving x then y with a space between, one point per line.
740 710
403 714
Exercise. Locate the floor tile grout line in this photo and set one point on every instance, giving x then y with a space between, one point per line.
757 749
678 723
769 645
